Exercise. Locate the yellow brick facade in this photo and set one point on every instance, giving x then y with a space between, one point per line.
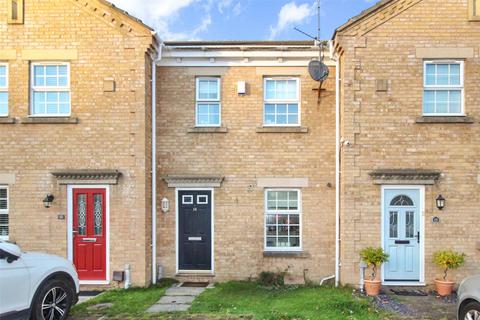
112 132
242 155
385 133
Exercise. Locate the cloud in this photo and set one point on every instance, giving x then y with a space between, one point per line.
289 15
163 14
227 7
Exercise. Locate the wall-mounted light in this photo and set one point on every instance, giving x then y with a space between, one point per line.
440 202
165 205
47 202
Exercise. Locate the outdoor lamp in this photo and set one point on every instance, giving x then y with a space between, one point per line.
440 202
165 205
47 202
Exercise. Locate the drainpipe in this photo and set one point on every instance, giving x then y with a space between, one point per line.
337 171
127 276
156 59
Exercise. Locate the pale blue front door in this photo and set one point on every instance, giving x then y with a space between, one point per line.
402 234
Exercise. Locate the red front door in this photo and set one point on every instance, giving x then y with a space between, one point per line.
89 234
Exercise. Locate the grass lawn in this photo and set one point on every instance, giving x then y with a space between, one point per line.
247 298
239 300
132 302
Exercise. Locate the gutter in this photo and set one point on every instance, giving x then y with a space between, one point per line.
156 59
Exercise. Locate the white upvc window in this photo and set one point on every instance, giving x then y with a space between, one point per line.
4 206
50 89
3 90
283 230
208 111
281 102
443 88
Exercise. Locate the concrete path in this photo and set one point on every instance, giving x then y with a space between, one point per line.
176 299
84 296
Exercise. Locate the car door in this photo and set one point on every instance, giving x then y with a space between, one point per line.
14 285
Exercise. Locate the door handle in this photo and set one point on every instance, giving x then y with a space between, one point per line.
418 237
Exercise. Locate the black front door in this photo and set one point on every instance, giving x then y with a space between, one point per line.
195 230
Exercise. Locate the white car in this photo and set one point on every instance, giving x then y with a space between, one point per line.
34 285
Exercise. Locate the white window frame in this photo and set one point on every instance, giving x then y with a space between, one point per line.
185 197
283 101
267 212
33 88
6 212
460 87
208 101
5 89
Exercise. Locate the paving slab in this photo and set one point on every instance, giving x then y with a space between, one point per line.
176 300
157 308
184 291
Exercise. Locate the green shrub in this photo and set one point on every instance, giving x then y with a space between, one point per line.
449 260
374 257
269 279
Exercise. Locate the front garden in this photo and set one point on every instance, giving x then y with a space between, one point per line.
236 300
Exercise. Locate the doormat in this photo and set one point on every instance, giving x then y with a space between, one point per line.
410 293
195 284
89 293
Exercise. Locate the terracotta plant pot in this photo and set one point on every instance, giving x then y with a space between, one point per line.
372 287
444 288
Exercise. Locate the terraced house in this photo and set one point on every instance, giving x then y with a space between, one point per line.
410 111
75 110
246 156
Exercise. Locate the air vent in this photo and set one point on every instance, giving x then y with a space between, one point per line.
15 11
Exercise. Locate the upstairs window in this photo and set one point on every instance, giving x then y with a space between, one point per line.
282 220
50 94
3 90
208 107
282 102
443 88
4 231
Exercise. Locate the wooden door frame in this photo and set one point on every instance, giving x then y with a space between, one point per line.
107 229
212 235
421 212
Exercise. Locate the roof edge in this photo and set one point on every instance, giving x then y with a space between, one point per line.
364 14
126 14
239 43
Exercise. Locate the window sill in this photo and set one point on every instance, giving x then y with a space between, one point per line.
49 120
282 130
286 254
7 120
445 119
208 130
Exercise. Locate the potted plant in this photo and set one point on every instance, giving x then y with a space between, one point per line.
447 260
374 258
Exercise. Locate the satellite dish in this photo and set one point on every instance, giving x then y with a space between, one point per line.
318 70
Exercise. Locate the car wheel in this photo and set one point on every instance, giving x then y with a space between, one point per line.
53 301
470 311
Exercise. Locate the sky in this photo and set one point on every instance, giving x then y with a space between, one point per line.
242 19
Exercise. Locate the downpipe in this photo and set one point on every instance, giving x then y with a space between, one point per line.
127 282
